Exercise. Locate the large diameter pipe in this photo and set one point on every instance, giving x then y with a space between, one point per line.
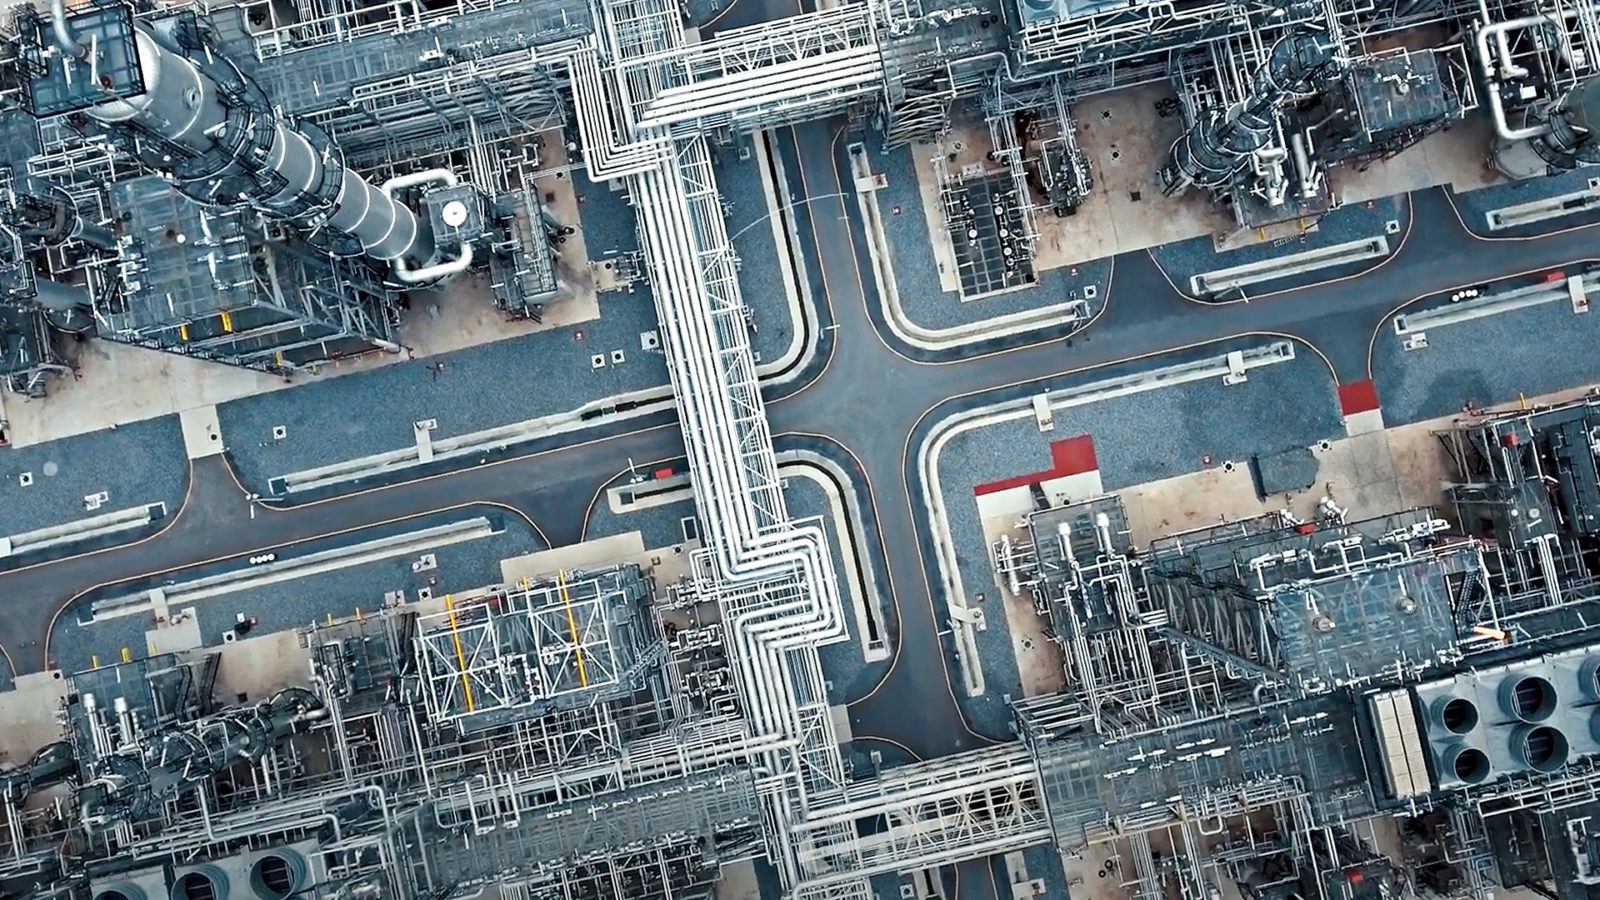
182 106
65 39
1499 31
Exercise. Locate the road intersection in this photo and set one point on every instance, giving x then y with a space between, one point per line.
867 392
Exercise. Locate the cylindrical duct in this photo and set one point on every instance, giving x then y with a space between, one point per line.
1528 698
1540 747
184 107
120 892
1457 715
1589 678
1468 764
277 875
201 883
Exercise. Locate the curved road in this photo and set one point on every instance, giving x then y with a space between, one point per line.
868 396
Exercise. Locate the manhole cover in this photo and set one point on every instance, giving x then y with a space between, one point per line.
50 469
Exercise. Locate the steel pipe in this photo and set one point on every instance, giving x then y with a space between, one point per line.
1497 108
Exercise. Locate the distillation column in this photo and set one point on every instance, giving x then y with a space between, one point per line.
1220 144
231 133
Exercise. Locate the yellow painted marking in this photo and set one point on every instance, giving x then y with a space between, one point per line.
358 614
461 658
1522 400
227 322
126 655
94 661
572 627
183 332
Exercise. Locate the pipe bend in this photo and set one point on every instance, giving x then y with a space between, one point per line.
409 275
65 39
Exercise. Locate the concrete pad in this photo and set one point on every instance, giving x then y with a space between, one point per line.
840 715
593 554
1127 144
202 436
738 882
933 209
1359 474
1072 488
1017 501
29 712
1191 501
1363 422
177 636
1457 157
260 666
1039 662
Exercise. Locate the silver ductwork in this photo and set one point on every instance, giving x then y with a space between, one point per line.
121 892
205 882
278 875
1540 747
1589 678
1467 764
1457 715
1528 698
1222 141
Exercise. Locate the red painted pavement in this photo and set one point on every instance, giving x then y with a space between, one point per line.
1357 397
1070 456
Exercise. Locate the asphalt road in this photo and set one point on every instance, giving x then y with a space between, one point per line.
869 397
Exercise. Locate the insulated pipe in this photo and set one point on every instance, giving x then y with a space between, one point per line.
746 549
183 107
1497 106
463 260
744 555
58 24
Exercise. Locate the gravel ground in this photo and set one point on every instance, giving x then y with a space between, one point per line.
1475 205
291 604
1536 350
702 11
660 526
136 464
1142 438
917 273
479 387
608 220
761 281
1182 259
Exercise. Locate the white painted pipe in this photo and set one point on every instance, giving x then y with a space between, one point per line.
1486 61
402 269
